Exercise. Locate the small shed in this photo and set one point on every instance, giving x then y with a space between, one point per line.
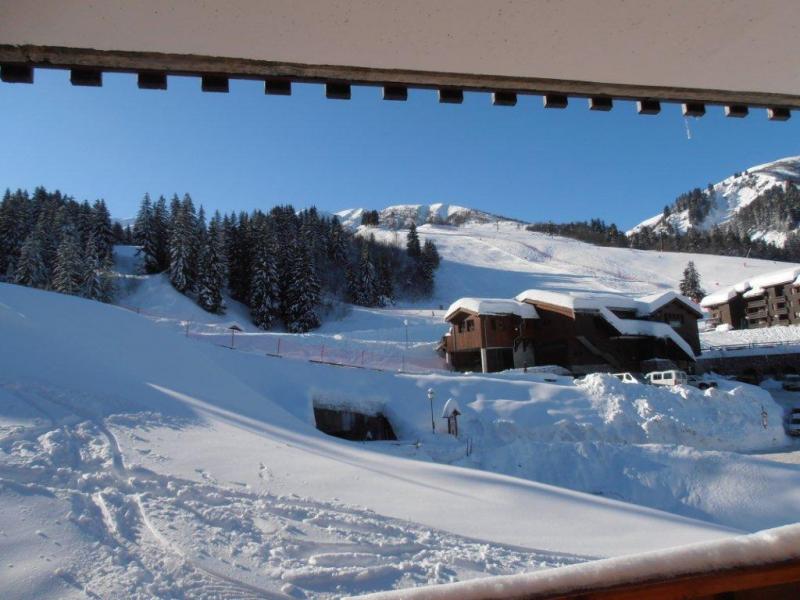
451 412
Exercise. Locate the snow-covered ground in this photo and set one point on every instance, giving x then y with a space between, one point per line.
140 462
781 335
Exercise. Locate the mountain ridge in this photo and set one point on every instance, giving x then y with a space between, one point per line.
726 200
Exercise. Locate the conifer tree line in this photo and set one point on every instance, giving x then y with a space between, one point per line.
287 266
776 209
50 241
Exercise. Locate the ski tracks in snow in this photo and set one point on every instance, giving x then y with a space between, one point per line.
157 536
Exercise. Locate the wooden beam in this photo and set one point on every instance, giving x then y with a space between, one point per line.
603 103
237 68
555 101
86 77
277 87
337 91
152 80
397 93
11 73
776 113
736 111
648 106
214 83
693 109
504 98
451 96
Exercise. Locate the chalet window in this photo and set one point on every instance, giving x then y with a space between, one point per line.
461 327
470 325
493 323
500 325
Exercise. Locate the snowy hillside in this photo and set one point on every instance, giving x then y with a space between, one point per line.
141 456
503 259
401 216
733 194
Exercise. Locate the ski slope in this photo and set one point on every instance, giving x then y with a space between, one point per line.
502 259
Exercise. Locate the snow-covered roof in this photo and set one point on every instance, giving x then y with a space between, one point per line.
492 306
648 328
719 297
752 293
655 301
450 407
752 287
644 305
578 300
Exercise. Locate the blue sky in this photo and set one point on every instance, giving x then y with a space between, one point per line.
245 150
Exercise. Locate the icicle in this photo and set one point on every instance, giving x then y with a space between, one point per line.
688 131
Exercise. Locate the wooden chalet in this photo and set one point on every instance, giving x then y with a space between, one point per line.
763 301
586 332
580 332
489 334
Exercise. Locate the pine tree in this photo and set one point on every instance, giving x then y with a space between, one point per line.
264 288
337 248
385 285
69 269
30 269
365 290
103 232
181 247
212 270
145 236
690 284
303 294
92 284
160 234
412 242
431 254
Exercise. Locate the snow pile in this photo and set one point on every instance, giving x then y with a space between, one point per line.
601 408
765 547
492 306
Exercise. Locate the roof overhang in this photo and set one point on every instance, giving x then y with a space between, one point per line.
732 52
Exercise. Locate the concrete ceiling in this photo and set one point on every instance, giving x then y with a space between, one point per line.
724 51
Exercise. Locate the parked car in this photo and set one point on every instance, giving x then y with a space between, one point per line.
794 422
791 383
700 382
627 377
671 377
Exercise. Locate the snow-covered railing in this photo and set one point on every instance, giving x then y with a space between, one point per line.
417 358
754 562
749 345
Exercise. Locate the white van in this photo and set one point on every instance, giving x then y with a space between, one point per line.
672 377
626 377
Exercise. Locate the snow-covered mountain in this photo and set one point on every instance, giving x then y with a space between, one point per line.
731 195
402 215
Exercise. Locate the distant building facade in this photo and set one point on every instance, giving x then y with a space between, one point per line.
763 301
580 332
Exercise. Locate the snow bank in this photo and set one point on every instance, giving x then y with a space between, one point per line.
765 547
492 306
